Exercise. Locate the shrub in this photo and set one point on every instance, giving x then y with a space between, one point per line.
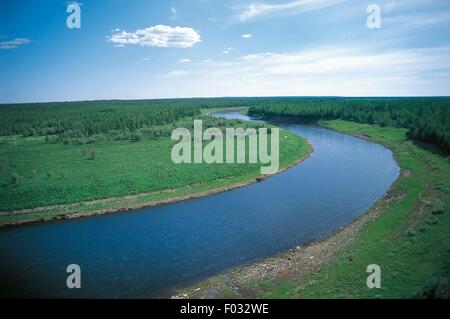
137 137
410 233
15 179
431 221
438 287
92 154
3 141
438 208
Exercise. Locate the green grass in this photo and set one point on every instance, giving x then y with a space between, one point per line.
55 174
241 109
408 242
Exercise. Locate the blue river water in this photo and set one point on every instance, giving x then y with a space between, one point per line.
149 252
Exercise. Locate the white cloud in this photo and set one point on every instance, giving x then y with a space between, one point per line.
388 7
406 23
262 8
247 36
184 61
339 61
175 73
228 50
406 4
13 44
157 36
174 14
325 71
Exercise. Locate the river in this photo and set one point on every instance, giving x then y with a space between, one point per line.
150 251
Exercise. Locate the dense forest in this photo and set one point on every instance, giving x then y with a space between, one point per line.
88 118
85 122
427 119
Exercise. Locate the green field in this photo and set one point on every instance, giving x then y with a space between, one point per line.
39 173
409 240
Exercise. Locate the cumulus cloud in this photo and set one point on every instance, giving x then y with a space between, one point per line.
262 8
13 44
247 36
161 36
228 50
184 61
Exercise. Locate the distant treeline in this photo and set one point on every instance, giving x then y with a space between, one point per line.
427 119
90 121
84 119
87 118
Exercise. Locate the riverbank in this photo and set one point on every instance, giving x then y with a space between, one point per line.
406 233
293 150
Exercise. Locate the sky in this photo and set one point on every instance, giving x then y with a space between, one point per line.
141 49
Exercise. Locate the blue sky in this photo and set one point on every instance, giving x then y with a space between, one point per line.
162 48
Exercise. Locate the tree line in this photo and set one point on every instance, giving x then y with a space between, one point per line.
72 121
427 119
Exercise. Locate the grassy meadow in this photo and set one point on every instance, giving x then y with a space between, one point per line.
38 173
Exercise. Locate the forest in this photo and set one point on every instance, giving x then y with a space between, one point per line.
82 122
427 119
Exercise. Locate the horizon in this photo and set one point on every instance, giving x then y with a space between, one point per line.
236 97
